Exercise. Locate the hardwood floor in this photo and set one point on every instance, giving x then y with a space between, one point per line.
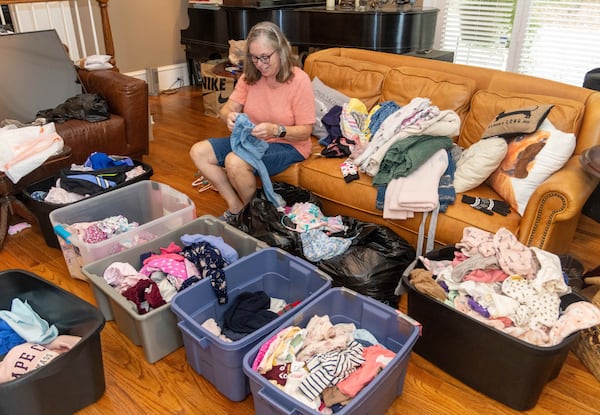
171 386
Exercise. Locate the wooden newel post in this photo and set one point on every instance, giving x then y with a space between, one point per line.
108 39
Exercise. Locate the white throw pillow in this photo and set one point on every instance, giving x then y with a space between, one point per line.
325 99
526 166
477 162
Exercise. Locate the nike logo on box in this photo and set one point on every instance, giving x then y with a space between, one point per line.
221 99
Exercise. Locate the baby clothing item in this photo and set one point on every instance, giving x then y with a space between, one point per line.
577 316
353 120
328 369
23 359
317 246
308 216
349 171
28 324
249 312
27 357
121 275
227 251
98 231
145 295
8 338
424 282
210 263
18 227
376 359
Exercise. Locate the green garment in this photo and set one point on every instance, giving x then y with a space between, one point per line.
406 155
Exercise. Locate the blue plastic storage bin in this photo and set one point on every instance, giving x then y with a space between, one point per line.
394 330
272 270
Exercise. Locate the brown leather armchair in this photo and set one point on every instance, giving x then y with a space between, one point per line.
125 133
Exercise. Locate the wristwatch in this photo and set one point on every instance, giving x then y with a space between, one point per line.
281 131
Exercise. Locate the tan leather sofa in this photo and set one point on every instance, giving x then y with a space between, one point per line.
551 216
127 130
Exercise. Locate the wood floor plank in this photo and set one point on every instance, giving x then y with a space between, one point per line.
171 386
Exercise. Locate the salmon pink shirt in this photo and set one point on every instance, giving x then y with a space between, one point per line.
290 103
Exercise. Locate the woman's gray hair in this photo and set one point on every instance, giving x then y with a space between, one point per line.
273 34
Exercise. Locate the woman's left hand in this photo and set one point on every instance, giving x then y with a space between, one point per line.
264 130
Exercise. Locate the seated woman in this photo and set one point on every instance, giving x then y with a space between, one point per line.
277 97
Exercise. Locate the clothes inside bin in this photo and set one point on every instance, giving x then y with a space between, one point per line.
173 269
506 285
523 362
29 342
323 364
99 173
35 195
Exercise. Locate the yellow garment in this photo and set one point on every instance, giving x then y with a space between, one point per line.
352 120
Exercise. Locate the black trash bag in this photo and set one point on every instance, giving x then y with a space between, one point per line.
573 270
373 264
293 194
261 219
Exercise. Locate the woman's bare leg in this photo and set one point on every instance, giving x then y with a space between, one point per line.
204 158
242 178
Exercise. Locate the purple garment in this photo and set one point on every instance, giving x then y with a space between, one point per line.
475 306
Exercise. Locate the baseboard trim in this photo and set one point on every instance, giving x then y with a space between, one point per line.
167 76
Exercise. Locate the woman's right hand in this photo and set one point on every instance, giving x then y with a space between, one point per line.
231 117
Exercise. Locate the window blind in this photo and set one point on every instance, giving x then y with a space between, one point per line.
553 39
478 32
561 40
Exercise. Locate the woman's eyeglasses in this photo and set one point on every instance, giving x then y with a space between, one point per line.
265 59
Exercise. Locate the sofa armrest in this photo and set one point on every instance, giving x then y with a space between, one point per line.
552 213
128 97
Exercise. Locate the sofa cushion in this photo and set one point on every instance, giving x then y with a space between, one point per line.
459 215
478 162
323 176
351 77
566 115
447 91
529 161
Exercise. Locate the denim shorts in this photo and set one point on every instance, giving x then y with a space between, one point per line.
277 158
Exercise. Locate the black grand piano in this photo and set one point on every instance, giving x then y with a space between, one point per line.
396 28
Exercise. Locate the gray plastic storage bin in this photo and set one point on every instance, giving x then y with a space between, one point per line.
156 331
71 381
156 207
272 270
392 329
